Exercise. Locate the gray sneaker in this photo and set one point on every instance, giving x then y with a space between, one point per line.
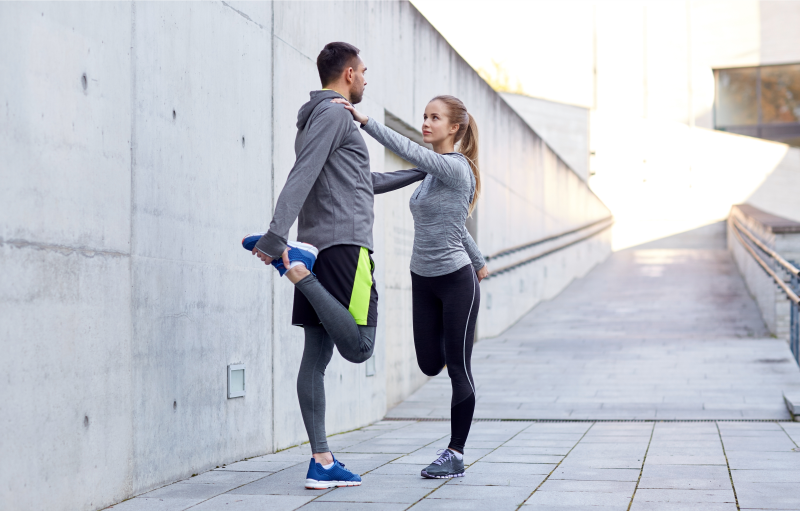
445 466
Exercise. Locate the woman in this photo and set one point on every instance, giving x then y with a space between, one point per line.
446 265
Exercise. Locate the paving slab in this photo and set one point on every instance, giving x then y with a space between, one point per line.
260 465
507 469
765 476
682 506
580 498
226 477
685 496
495 457
403 480
593 486
378 494
679 459
486 493
538 506
768 495
596 474
182 490
689 477
684 450
765 460
352 506
602 462
286 482
230 502
434 504
155 504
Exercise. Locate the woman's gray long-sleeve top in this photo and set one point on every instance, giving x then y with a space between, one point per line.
439 205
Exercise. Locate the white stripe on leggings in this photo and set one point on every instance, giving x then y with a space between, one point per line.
466 328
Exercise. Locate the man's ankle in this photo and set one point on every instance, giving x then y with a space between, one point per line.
323 458
297 273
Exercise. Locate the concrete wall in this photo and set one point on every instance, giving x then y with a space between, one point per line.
565 128
778 192
125 293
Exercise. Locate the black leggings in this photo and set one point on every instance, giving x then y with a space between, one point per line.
445 309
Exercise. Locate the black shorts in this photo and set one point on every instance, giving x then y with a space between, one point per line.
346 272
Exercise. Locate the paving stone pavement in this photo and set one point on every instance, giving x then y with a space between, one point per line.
520 465
662 387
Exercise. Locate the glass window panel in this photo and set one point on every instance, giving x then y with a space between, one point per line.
780 94
736 97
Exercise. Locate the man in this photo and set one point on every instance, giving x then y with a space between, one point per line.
330 191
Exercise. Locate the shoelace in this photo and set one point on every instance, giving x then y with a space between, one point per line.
444 455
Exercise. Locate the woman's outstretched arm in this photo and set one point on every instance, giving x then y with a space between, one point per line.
384 182
451 171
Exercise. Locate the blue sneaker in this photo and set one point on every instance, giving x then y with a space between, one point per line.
299 253
320 479
249 241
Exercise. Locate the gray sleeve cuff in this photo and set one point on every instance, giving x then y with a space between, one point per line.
477 259
472 249
271 244
369 127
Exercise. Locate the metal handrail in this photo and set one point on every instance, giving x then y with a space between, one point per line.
786 289
528 260
794 320
524 246
783 262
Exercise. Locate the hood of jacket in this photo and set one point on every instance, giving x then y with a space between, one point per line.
317 97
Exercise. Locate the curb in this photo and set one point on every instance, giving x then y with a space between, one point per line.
792 400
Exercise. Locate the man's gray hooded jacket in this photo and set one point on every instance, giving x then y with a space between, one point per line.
330 188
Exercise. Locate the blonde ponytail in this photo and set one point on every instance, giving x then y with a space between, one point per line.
469 148
467 139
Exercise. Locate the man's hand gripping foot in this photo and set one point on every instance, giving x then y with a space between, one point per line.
297 269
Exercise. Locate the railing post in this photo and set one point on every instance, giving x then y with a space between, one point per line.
794 326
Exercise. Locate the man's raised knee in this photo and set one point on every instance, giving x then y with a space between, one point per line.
357 358
431 370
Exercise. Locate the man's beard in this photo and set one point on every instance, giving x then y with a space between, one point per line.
356 96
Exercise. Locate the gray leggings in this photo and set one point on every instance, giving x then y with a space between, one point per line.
354 342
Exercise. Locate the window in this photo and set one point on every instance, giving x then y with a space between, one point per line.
760 102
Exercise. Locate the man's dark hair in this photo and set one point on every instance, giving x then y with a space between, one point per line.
333 59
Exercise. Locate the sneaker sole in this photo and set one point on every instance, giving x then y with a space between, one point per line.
448 476
313 484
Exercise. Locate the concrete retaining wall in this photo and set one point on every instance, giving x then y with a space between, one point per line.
782 236
564 127
138 143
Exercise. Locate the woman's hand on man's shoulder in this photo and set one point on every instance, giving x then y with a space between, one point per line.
358 116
